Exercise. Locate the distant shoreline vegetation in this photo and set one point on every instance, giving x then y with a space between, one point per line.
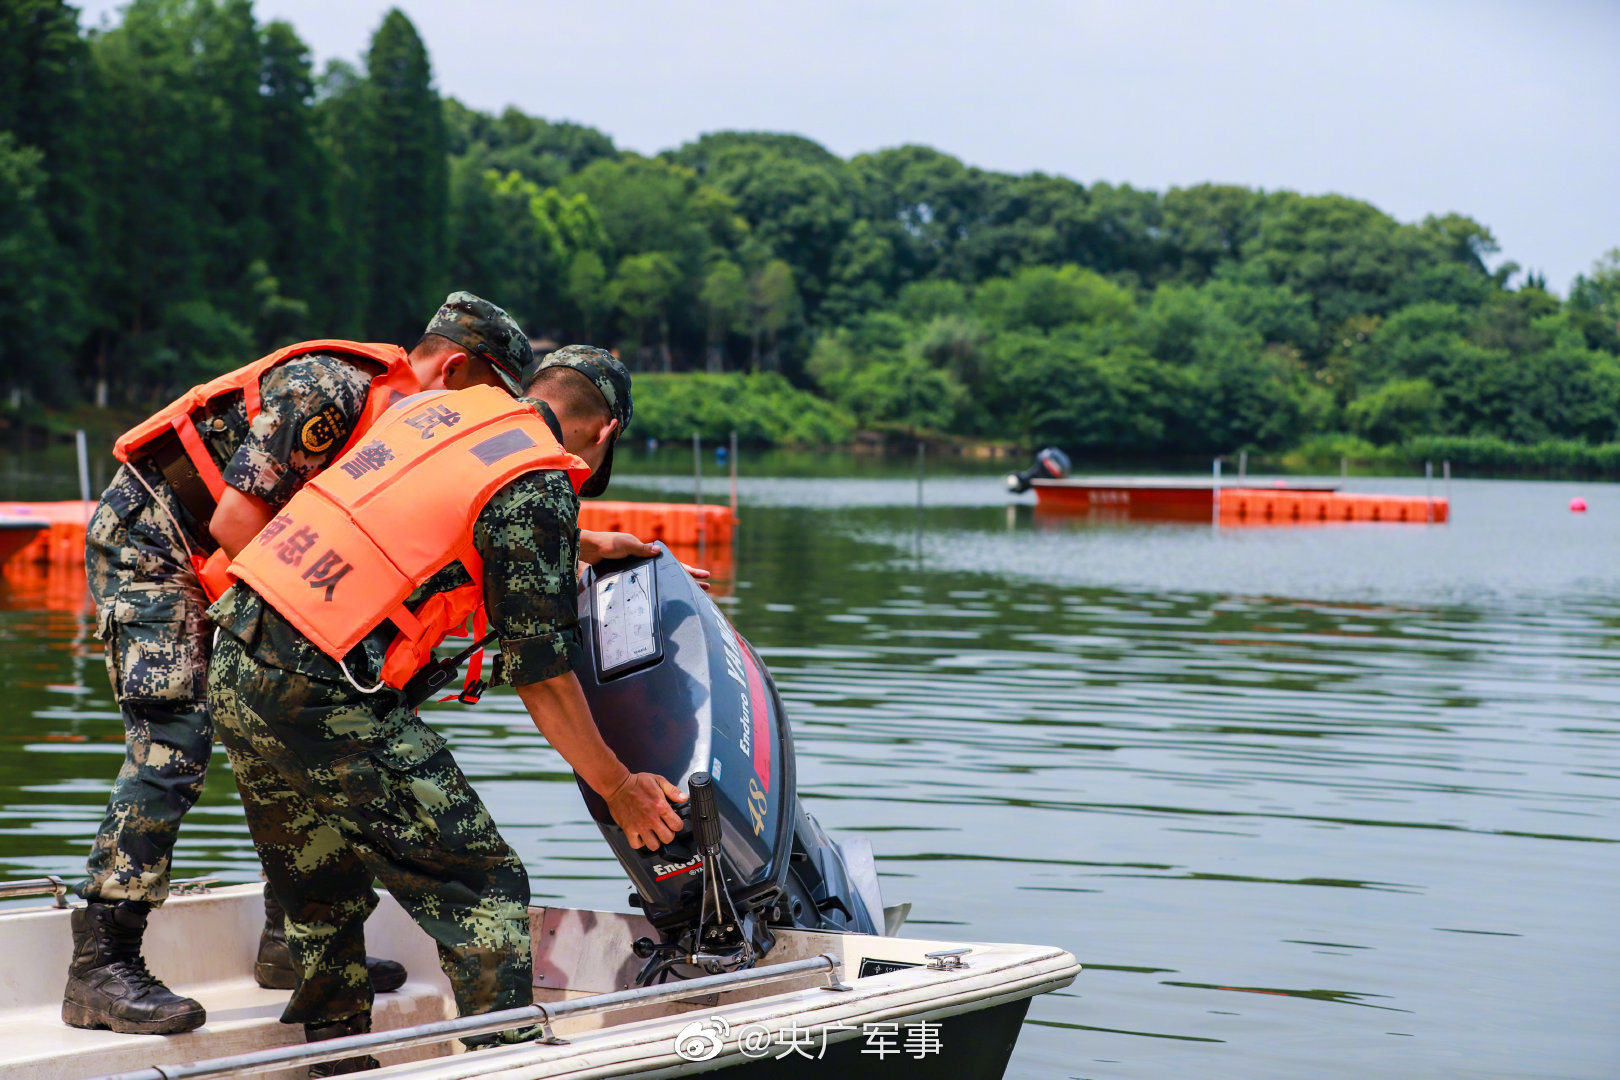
765 410
183 192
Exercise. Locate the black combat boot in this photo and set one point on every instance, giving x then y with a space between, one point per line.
274 968
108 985
354 1025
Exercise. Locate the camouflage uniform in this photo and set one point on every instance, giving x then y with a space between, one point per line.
150 608
342 787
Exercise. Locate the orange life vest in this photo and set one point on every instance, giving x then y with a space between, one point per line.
397 380
358 539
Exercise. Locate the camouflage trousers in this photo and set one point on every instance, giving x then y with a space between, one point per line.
341 788
150 617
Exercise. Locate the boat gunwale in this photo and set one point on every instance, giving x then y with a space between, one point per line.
515 1063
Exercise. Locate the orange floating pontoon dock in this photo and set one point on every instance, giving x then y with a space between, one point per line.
53 532
671 523
57 535
1188 499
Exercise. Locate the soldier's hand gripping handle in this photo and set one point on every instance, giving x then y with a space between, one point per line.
641 807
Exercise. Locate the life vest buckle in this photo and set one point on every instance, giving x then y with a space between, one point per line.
471 692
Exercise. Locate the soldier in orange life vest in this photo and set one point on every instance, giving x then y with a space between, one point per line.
455 506
199 480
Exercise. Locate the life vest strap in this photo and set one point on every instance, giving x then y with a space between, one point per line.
201 459
474 687
252 402
407 623
181 474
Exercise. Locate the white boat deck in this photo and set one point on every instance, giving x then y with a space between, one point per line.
203 946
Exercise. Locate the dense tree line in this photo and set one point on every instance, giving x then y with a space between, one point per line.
183 192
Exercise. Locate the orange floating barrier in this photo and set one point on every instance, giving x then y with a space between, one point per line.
35 586
1260 506
61 541
673 523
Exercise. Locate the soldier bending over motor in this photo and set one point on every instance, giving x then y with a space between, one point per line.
467 507
199 480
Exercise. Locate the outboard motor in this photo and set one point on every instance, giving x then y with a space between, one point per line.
676 691
1050 464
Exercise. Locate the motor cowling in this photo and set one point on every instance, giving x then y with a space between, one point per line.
676 690
1050 464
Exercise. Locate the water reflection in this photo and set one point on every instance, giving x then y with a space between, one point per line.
1248 779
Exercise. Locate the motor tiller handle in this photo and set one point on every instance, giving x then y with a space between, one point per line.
705 812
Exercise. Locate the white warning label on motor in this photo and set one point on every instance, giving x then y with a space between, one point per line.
625 618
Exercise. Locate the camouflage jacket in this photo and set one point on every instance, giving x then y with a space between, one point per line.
528 537
309 406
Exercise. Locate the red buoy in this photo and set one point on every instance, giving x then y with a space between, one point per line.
1577 505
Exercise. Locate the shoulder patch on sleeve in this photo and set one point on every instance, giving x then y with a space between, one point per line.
320 432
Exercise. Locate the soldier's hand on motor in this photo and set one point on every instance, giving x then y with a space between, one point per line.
596 546
640 806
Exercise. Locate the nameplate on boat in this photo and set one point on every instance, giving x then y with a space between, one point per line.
882 967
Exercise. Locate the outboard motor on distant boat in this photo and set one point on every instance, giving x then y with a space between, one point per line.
677 691
1050 464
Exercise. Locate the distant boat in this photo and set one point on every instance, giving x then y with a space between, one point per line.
1282 502
1165 498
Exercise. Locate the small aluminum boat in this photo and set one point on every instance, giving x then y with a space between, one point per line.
863 1004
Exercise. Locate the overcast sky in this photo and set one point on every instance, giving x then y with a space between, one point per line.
1508 112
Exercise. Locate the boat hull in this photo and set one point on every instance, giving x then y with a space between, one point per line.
973 1046
1123 500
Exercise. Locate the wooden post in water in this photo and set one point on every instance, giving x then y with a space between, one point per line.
1243 466
1215 500
922 452
1428 491
84 473
734 480
697 481
1445 468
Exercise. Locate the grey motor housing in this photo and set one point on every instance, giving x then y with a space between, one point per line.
676 690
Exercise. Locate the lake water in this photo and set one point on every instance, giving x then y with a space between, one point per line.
1313 802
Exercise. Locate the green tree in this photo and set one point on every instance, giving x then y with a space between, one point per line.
1397 410
773 299
1594 301
227 70
797 198
27 253
343 131
507 248
725 304
151 131
406 181
1207 225
301 232
46 79
1044 298
922 301
641 289
585 287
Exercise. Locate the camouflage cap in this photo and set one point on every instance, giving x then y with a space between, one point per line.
487 331
613 381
